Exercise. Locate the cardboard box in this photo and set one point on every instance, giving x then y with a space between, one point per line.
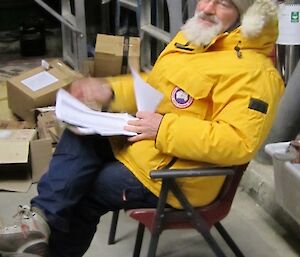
14 124
113 54
37 88
47 124
6 113
23 158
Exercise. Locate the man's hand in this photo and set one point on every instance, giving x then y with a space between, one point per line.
146 126
92 91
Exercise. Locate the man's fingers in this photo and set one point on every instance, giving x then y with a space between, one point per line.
133 122
142 115
76 91
136 138
134 129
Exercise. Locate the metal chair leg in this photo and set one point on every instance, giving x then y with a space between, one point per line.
233 246
113 227
199 223
139 240
213 244
153 245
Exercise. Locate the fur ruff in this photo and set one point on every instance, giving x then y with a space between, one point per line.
257 16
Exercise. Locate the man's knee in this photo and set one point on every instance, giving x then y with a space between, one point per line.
117 188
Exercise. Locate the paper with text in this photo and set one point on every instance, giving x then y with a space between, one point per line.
72 111
147 97
39 80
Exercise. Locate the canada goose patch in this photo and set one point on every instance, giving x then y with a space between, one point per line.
180 98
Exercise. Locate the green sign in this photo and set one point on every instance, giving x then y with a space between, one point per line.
295 17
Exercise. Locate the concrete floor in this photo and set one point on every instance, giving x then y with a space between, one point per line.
255 231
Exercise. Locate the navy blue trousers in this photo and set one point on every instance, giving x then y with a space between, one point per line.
83 182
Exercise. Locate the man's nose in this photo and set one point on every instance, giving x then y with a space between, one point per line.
208 7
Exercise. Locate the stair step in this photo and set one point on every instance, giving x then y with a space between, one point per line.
157 33
129 4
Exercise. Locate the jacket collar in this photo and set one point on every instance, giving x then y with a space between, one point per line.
262 43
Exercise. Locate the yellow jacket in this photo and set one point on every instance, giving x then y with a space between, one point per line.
219 104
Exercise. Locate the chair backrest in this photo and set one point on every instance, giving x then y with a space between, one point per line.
219 209
212 213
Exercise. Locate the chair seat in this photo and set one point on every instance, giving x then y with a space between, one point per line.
178 219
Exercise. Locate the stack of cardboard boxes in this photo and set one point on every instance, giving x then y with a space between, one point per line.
25 153
26 146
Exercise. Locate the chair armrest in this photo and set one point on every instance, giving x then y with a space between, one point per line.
197 172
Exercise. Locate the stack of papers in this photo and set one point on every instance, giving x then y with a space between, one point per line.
87 121
84 120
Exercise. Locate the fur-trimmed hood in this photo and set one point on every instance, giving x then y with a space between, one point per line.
257 16
258 30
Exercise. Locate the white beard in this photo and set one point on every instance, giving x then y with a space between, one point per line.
200 34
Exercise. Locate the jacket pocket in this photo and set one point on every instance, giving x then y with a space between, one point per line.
197 86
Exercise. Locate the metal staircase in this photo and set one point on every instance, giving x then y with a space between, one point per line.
131 5
72 18
178 11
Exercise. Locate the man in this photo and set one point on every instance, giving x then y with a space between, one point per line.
220 96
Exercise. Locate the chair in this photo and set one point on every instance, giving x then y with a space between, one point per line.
200 218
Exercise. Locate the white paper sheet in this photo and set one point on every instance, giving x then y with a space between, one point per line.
39 80
72 111
147 97
289 24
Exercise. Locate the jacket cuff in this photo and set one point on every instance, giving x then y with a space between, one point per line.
163 135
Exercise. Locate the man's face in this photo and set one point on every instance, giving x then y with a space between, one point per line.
214 11
211 18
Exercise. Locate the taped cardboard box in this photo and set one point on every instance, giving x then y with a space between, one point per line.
14 124
114 54
37 88
48 125
23 158
5 113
